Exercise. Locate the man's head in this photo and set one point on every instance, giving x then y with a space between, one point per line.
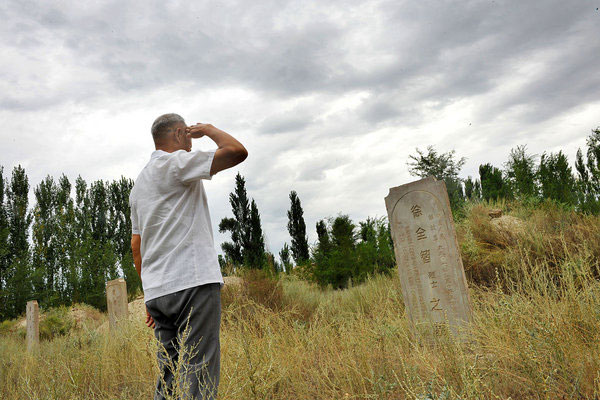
168 132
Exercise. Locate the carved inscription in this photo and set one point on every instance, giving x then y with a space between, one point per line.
429 264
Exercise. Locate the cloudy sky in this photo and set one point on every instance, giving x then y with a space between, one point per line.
329 97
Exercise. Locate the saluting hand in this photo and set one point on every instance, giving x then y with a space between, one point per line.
197 131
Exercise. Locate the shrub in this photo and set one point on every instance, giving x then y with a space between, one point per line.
57 322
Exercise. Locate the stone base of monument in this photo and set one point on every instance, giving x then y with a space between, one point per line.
433 282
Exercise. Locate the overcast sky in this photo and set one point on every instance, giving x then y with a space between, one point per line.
329 97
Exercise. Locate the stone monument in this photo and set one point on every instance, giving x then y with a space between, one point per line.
116 299
33 324
431 272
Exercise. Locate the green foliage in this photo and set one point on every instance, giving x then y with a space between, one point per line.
17 286
57 322
239 225
588 180
76 245
493 186
444 167
7 326
520 173
284 256
254 253
297 229
346 254
556 178
247 244
4 246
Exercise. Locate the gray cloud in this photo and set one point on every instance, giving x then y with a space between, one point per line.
329 97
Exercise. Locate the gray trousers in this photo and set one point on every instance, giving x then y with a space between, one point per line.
198 310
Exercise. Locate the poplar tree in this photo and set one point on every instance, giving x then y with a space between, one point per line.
254 253
493 186
18 279
101 262
82 240
120 228
297 229
593 160
556 178
45 269
66 239
284 256
343 264
239 225
4 248
520 173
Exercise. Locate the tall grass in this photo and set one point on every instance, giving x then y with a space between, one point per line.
535 333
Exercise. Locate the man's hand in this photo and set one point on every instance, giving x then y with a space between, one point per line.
230 152
197 131
149 320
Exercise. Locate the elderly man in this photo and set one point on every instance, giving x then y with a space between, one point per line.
173 251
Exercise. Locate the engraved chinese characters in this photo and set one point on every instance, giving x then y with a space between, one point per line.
429 264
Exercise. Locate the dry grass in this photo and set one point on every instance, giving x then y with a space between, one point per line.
536 332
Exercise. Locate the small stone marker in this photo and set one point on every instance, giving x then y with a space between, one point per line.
33 325
431 272
116 299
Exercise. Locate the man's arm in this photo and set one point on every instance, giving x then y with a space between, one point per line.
230 151
136 241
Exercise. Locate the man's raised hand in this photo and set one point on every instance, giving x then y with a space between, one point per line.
197 131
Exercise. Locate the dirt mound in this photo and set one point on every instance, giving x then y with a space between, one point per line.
508 227
81 315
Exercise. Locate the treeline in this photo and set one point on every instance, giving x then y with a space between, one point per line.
64 249
523 177
344 252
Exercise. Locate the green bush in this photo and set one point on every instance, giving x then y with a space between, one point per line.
58 322
7 326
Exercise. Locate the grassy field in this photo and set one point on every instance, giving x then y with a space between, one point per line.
535 291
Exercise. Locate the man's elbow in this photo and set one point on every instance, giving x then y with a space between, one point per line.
241 154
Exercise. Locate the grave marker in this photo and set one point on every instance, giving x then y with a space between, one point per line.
116 299
431 272
33 324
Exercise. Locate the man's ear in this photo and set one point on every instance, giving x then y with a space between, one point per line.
178 133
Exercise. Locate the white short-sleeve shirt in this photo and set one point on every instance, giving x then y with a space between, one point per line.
169 210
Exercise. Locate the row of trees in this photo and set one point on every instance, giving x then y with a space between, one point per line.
524 176
63 250
343 253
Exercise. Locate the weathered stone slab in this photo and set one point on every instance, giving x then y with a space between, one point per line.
33 325
431 272
116 300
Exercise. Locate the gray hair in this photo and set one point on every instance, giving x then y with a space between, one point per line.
163 124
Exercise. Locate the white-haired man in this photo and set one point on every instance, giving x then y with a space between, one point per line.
173 250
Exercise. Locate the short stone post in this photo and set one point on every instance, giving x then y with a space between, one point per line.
33 325
116 299
428 257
